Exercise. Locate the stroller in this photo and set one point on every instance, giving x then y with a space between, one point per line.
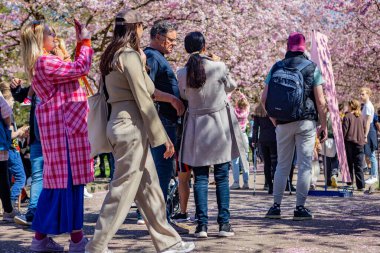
172 202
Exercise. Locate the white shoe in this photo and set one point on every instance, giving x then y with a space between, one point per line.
140 222
86 194
371 180
235 186
181 247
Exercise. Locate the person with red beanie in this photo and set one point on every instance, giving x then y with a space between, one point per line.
293 97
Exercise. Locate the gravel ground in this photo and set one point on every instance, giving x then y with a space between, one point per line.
340 225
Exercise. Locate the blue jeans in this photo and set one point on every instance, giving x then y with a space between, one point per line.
201 175
165 167
237 165
37 162
16 169
374 164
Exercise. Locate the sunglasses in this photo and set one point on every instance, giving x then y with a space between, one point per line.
36 23
169 39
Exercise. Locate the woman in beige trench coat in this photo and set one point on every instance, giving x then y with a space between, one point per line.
133 125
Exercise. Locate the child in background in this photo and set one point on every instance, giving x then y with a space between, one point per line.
242 113
5 192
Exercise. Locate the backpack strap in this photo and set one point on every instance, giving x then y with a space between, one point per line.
303 65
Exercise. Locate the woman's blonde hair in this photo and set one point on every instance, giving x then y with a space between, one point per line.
355 107
260 111
32 39
366 90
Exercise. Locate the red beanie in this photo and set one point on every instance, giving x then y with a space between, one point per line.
296 42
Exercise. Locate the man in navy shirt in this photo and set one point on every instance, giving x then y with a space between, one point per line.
163 39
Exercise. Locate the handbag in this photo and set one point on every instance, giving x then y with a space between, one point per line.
329 148
98 117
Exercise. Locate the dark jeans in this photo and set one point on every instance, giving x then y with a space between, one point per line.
165 167
332 165
5 189
355 155
201 175
269 150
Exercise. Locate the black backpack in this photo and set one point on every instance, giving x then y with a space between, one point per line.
286 92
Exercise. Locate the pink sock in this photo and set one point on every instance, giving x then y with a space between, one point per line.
76 236
39 236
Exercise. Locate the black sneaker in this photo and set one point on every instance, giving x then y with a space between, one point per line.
291 187
201 231
225 230
181 228
274 212
181 217
302 213
101 175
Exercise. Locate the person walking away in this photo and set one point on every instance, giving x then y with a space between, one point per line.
264 134
295 117
354 138
211 134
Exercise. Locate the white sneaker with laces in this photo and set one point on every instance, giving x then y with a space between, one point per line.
371 180
140 222
181 247
86 194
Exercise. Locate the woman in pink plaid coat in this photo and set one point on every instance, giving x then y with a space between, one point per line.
62 120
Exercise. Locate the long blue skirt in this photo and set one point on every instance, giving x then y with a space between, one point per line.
60 210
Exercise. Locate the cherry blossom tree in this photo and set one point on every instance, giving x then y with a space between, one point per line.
248 35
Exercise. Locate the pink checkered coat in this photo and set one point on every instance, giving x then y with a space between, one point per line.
62 118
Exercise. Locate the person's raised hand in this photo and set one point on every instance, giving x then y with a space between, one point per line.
15 83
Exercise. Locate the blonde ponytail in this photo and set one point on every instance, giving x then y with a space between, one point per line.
32 36
355 107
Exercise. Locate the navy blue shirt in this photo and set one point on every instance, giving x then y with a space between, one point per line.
164 79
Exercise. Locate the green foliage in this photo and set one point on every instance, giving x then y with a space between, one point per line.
21 114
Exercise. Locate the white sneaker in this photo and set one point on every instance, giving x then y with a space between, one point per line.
140 222
86 194
181 247
371 180
235 186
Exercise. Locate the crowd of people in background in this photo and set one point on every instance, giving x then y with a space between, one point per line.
164 125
